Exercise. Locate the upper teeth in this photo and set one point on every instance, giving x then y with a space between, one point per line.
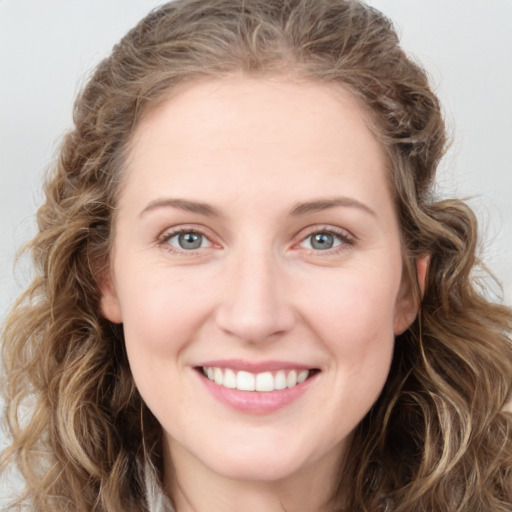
246 381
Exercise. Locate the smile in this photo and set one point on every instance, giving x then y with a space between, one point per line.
256 387
246 381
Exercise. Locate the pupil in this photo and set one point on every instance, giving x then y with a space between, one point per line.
190 240
322 241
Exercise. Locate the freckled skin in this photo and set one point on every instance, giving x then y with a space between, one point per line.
256 288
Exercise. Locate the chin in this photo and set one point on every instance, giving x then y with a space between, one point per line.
268 460
257 470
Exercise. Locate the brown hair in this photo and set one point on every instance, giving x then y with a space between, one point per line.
437 438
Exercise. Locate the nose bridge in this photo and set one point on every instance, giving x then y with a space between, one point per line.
254 304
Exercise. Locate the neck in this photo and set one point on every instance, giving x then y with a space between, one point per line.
196 488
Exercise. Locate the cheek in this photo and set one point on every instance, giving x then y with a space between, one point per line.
354 321
162 314
160 309
357 311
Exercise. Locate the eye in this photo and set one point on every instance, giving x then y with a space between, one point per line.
186 240
326 240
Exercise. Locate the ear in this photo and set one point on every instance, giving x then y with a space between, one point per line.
406 307
421 269
109 303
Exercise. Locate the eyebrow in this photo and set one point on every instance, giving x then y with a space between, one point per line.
182 204
324 204
298 210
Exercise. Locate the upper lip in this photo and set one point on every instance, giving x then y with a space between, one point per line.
254 366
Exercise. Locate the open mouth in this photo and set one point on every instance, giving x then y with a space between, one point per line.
265 381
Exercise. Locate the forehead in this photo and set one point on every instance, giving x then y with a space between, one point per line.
225 134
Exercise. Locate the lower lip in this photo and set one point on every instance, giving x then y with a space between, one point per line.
256 402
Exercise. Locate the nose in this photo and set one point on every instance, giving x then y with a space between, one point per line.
254 305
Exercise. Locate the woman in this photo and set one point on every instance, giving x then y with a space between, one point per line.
247 297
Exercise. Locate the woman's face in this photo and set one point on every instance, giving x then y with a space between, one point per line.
257 246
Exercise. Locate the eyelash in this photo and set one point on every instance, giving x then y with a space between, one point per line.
164 240
345 238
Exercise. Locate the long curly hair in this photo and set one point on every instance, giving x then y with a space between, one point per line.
438 437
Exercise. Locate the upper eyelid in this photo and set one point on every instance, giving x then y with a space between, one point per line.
325 228
169 233
185 228
346 238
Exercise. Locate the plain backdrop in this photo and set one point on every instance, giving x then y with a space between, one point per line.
49 47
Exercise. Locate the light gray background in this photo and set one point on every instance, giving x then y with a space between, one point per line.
48 48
